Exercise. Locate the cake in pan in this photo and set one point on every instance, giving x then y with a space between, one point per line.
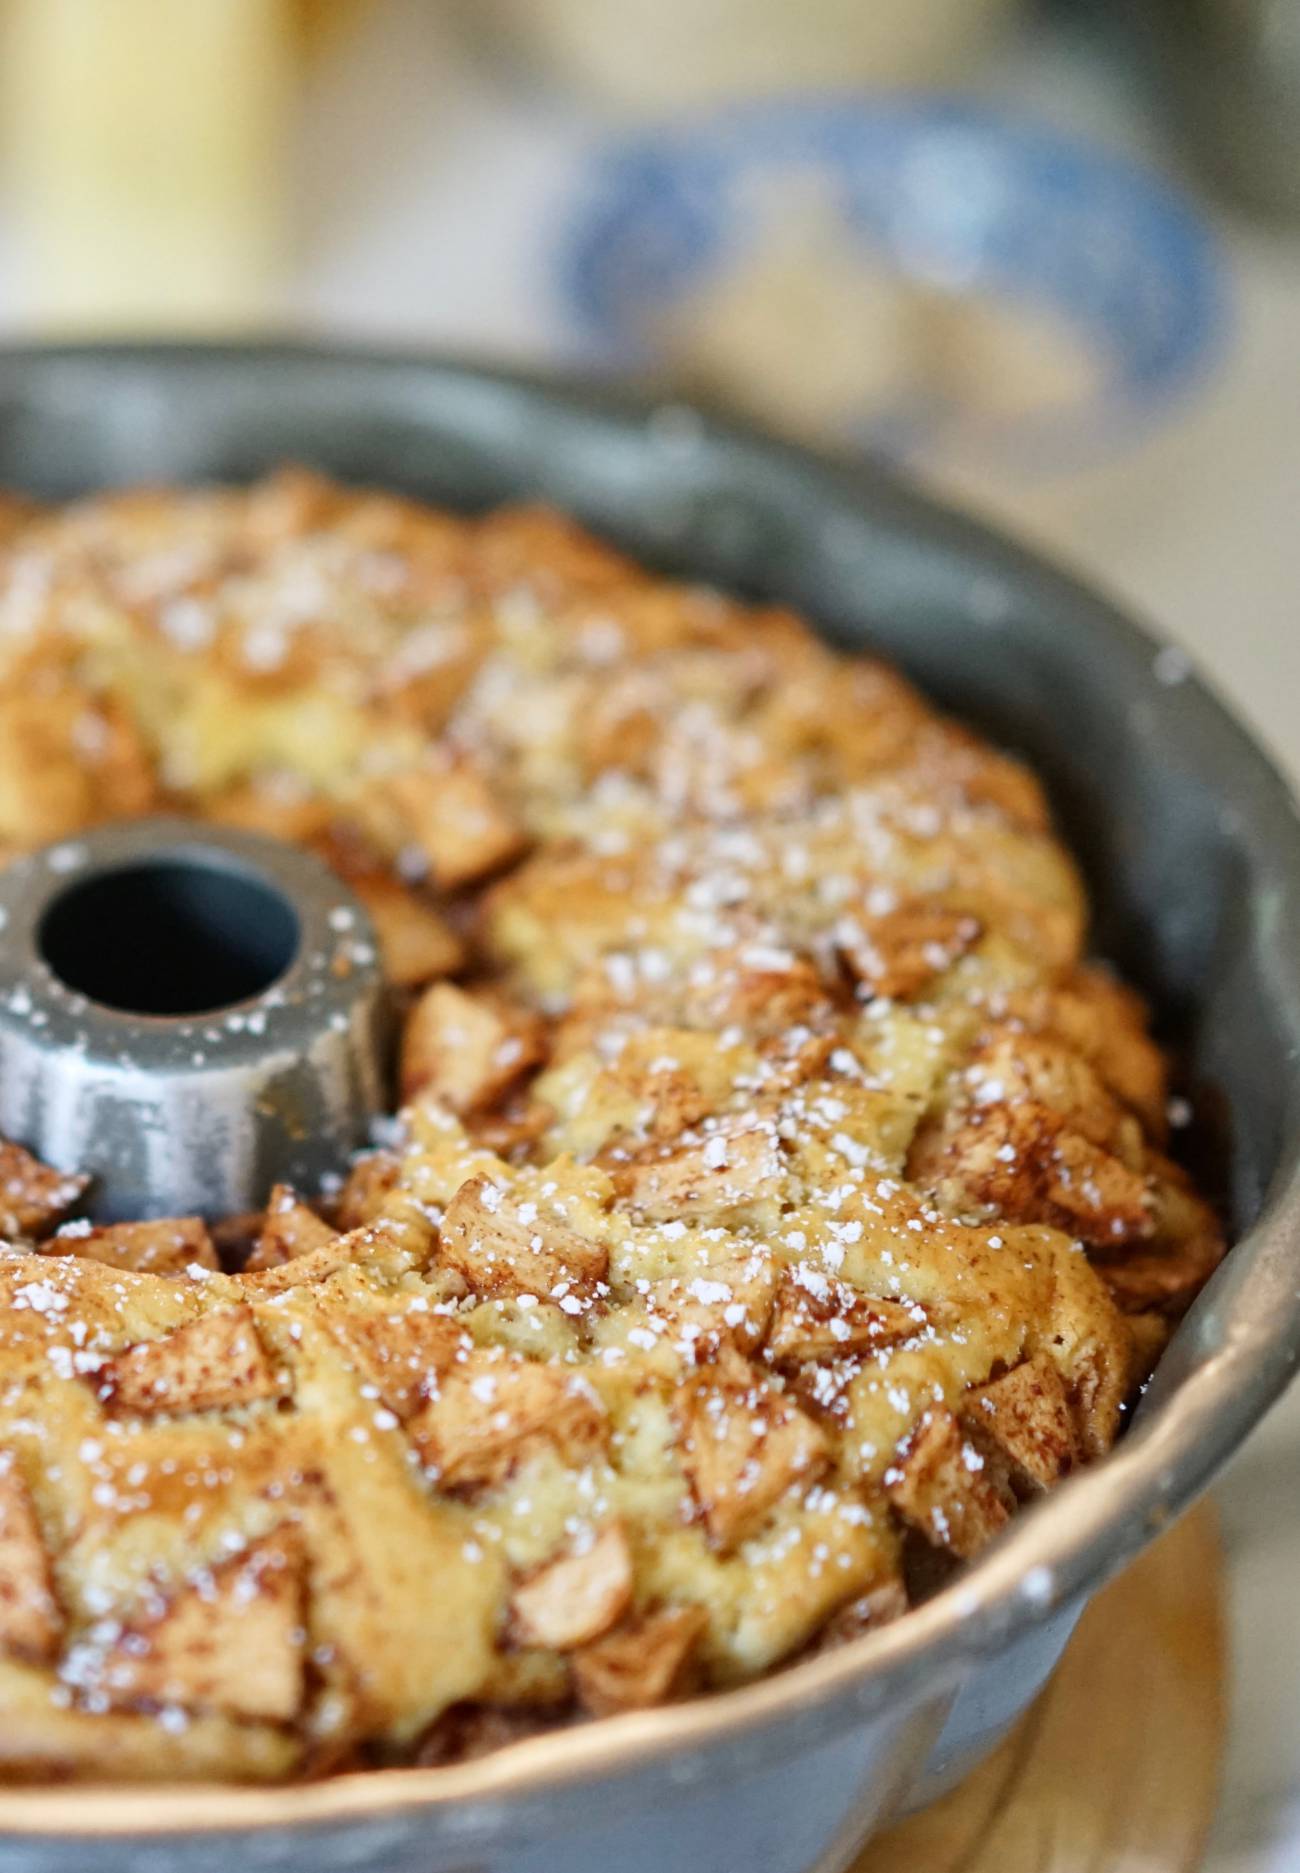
777 1199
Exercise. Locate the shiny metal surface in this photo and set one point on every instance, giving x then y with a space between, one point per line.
1193 851
243 1046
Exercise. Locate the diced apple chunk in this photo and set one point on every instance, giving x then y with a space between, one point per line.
728 1302
232 1641
820 1318
465 1050
878 1606
743 1444
1025 1415
734 1173
642 1663
575 1599
167 1246
489 1411
458 823
403 1355
370 1182
289 1229
503 1247
33 1196
898 954
416 943
940 1488
216 1363
31 1624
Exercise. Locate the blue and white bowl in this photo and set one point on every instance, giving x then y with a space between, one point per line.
947 197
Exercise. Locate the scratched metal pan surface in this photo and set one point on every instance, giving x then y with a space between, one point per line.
1193 850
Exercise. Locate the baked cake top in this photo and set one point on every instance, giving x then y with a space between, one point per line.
778 1195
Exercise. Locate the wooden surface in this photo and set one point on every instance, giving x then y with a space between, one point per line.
1116 1768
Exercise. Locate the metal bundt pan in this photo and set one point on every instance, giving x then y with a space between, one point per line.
1193 851
188 1014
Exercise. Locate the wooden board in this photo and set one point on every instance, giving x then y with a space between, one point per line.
1115 1770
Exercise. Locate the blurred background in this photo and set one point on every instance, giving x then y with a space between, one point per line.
1045 256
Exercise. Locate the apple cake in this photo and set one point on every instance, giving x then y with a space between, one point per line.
776 1195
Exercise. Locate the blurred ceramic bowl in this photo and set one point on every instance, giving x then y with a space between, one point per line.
917 276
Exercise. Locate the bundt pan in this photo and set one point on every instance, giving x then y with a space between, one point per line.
1193 850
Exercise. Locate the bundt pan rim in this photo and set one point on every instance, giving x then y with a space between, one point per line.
1192 845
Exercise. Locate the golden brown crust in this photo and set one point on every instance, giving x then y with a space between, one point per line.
778 1190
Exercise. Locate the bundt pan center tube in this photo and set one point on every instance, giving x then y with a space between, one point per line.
187 1015
1193 853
